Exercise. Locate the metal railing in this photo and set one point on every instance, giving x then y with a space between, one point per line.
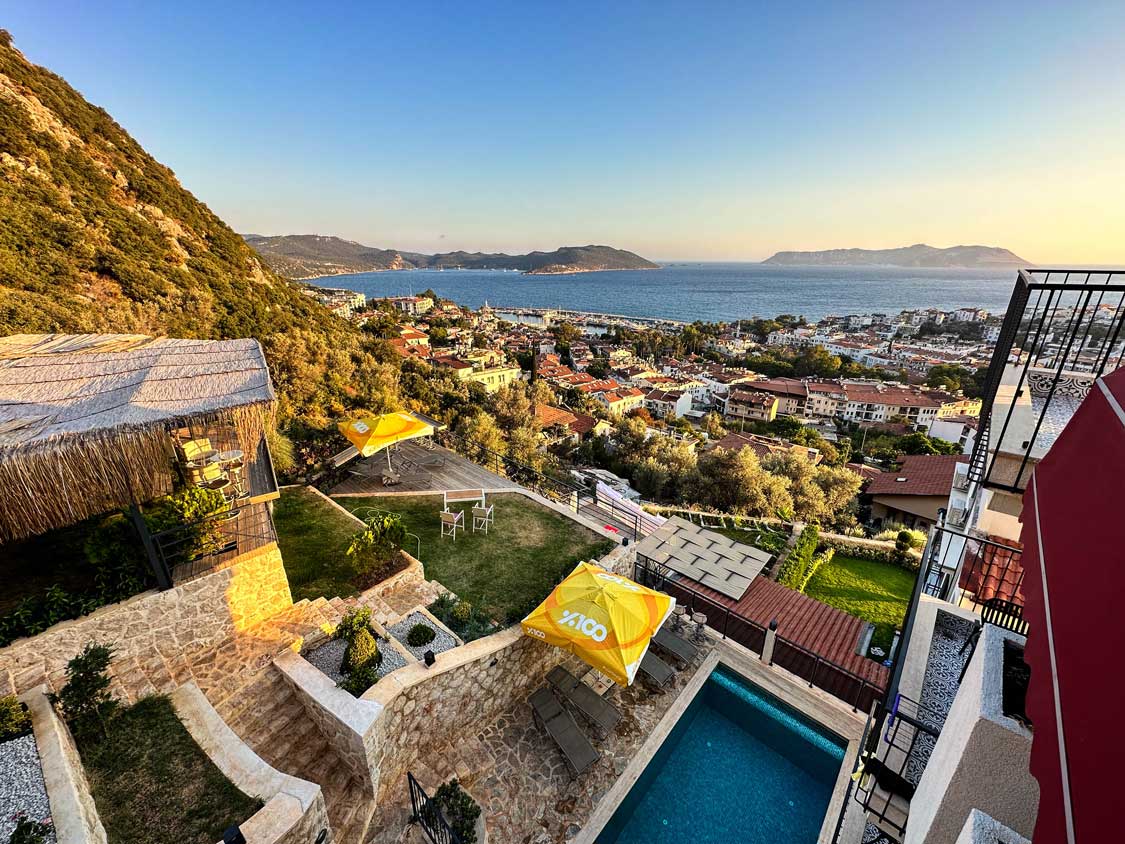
1061 331
507 467
861 750
976 573
188 550
892 767
426 812
815 669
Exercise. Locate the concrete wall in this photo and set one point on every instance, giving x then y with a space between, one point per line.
73 813
979 828
294 810
155 633
981 757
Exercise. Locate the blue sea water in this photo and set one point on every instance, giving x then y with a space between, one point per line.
739 766
705 291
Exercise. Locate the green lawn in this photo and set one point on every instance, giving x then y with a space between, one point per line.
151 781
874 591
314 537
509 571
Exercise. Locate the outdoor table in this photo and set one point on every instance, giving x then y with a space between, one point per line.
597 681
227 456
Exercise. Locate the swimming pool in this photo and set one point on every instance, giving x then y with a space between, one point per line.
739 766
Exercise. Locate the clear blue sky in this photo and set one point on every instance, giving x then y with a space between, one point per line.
694 130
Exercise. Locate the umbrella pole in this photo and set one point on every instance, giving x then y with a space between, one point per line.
388 458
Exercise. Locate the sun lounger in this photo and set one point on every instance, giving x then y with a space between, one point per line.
596 709
656 669
560 726
677 646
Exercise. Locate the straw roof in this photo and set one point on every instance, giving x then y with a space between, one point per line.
84 419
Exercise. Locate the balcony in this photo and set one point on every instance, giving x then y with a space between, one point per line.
1061 332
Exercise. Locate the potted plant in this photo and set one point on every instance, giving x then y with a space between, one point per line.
461 812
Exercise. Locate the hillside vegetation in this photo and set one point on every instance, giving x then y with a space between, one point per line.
97 236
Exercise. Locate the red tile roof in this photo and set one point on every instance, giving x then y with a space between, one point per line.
924 474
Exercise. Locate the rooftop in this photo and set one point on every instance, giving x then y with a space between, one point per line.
918 474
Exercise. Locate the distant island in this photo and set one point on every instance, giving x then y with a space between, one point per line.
302 256
918 255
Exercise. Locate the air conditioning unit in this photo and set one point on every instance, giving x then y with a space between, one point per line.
957 516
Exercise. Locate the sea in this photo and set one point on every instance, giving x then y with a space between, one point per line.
711 292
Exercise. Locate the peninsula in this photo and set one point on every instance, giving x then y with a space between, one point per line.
303 256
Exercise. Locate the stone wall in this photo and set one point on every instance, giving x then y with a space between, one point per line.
156 633
73 812
347 722
426 708
294 810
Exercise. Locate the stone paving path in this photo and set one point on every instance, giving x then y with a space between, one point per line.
514 770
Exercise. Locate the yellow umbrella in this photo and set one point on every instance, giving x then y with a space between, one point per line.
604 618
370 434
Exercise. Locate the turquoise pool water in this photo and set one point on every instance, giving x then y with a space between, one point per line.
739 766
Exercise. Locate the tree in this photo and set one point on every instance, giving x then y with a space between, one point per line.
523 446
808 498
481 430
712 425
786 427
735 482
511 406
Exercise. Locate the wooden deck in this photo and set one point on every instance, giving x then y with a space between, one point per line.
414 463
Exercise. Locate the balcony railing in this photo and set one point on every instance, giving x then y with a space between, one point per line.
976 573
189 550
1062 331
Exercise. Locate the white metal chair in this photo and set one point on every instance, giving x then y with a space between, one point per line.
451 523
483 517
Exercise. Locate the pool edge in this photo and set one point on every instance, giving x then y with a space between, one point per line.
828 714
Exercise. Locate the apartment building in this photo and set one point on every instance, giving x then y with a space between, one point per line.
748 405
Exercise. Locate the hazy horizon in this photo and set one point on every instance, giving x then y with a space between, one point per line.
716 132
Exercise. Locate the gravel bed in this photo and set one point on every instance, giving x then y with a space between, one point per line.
441 642
22 789
329 658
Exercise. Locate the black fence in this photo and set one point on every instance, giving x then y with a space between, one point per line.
725 620
1062 330
427 813
977 574
189 550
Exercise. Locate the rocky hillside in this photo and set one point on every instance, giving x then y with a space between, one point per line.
918 255
309 255
96 235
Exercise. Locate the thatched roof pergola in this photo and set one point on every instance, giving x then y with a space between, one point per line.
85 420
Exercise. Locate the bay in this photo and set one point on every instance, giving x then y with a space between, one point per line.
710 292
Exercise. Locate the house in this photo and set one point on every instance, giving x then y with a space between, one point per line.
913 493
560 424
751 406
791 394
765 446
495 377
620 401
661 403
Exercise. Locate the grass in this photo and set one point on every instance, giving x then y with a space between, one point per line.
508 572
874 591
314 537
149 775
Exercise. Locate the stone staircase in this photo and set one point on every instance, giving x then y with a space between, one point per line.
239 679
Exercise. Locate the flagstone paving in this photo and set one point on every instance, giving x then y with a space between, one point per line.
514 770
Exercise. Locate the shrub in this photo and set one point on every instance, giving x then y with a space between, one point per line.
190 507
372 550
359 681
354 620
460 810
894 533
14 720
115 552
462 611
419 635
85 700
794 569
362 651
909 561
28 831
818 560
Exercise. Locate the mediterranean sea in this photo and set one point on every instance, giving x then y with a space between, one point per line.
711 292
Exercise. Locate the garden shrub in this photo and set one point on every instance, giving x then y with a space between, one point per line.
85 700
462 611
354 620
190 506
794 568
818 560
915 539
359 681
28 831
468 623
374 550
419 635
362 651
909 561
459 809
14 720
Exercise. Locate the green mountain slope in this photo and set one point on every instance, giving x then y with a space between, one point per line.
96 235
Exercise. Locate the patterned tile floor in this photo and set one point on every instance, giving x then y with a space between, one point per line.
518 776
